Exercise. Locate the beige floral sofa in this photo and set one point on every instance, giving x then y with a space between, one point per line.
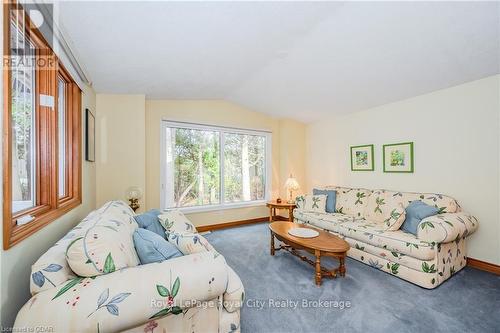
369 221
198 292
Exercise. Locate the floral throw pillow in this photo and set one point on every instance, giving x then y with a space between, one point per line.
189 243
175 221
312 203
396 218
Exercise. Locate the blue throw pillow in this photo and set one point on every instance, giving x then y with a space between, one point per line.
152 248
149 221
415 213
331 199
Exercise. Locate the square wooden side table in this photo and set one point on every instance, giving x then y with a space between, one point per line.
273 206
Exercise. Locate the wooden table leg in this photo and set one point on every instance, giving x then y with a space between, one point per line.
290 214
342 269
270 214
318 267
272 243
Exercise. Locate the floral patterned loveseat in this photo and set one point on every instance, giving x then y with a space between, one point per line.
370 220
198 292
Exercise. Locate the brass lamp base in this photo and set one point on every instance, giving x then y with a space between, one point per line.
134 204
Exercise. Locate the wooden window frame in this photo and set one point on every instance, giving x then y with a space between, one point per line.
48 205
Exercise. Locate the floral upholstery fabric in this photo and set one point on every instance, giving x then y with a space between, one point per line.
129 297
428 259
192 320
159 296
182 233
449 259
444 203
327 221
375 234
311 203
106 245
384 208
234 294
189 243
176 221
446 227
403 259
352 201
195 319
52 268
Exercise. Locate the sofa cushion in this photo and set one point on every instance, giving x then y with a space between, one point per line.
151 247
105 242
415 212
443 203
398 241
189 243
371 233
149 221
311 203
331 198
447 227
352 201
383 207
175 221
327 221
390 255
51 269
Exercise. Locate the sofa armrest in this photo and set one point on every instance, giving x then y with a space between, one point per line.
235 293
128 297
447 227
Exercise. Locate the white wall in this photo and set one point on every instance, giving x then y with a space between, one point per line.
120 146
16 262
457 151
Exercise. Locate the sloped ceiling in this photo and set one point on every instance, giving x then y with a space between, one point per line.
302 60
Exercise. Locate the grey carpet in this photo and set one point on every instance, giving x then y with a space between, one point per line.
468 302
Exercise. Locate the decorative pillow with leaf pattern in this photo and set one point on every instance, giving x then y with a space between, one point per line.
189 243
299 202
395 218
314 203
104 247
175 221
352 201
383 207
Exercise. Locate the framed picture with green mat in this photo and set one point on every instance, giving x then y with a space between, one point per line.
362 158
398 157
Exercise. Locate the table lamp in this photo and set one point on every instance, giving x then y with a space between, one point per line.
291 185
133 195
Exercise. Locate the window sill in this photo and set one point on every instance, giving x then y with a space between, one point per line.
236 205
20 232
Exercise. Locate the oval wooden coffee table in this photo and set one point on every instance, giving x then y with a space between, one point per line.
325 244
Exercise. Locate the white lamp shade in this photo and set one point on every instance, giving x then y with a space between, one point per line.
133 192
292 184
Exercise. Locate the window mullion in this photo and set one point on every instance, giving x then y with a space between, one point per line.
221 167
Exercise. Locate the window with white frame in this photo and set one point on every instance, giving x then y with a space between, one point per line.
210 167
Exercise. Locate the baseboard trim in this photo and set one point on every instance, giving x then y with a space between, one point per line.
232 224
483 265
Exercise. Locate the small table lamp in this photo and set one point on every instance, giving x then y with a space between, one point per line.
291 185
133 195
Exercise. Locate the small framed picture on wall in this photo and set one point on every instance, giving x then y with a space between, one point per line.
398 157
89 136
362 158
